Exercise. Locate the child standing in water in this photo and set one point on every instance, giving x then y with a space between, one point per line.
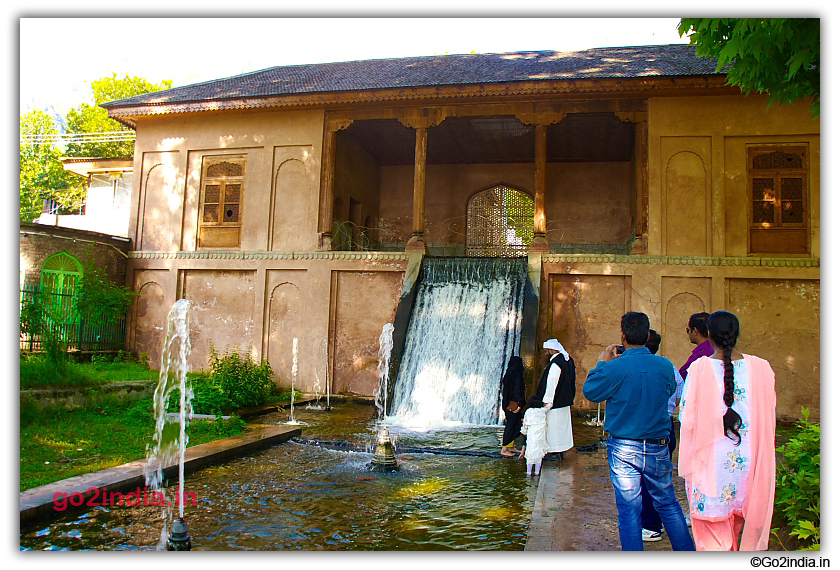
534 430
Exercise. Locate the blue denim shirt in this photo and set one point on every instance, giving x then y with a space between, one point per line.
636 387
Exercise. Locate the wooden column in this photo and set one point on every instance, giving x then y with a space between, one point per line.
540 243
325 214
640 152
417 243
333 122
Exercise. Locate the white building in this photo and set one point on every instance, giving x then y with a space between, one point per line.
108 200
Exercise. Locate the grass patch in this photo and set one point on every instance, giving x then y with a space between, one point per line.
119 371
38 371
62 442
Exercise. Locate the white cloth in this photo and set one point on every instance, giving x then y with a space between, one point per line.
554 344
559 429
534 428
551 382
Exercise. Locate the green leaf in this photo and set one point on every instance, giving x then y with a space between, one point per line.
778 56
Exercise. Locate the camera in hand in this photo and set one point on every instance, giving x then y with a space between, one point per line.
619 349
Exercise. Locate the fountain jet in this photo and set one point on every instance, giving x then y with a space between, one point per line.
170 438
179 539
384 459
386 345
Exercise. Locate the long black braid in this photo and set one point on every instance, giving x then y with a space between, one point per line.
723 330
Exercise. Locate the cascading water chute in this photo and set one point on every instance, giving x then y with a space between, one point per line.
464 328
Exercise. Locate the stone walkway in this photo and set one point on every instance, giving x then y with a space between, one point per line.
575 506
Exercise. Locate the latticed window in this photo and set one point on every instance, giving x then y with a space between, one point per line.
778 179
220 219
500 223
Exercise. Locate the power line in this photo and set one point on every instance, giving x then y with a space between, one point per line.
69 135
72 137
77 138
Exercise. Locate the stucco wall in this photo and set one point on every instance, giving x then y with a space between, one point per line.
699 192
221 311
280 202
585 202
777 304
260 303
780 321
358 324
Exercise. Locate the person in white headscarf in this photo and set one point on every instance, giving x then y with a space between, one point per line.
556 388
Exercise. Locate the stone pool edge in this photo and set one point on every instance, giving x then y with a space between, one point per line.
38 502
541 528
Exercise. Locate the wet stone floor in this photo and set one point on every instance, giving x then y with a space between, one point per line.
575 506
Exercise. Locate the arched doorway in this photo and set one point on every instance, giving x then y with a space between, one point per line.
500 222
59 276
60 273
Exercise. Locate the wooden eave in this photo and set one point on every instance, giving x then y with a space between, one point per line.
86 167
634 87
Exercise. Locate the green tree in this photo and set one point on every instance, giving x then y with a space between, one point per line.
778 56
94 119
41 174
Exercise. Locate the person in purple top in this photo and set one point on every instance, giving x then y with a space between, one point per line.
698 333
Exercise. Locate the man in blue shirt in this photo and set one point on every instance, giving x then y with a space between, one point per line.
637 387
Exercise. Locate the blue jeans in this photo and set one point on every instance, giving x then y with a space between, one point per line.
630 461
650 518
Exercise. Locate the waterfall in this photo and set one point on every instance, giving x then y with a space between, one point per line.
463 329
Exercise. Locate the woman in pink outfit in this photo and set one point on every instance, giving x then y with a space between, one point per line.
729 463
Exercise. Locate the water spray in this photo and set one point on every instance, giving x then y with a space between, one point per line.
327 372
386 345
294 377
166 448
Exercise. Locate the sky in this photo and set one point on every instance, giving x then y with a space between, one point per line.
189 50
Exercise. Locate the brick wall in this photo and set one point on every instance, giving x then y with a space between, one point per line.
38 242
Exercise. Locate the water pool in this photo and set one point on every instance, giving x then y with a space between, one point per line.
295 496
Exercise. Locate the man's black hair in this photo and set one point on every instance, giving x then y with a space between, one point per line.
653 341
700 321
636 328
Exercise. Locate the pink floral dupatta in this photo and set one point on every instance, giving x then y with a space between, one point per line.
701 426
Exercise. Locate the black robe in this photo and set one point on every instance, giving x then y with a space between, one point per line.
513 390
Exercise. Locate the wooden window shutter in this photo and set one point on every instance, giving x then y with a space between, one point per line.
778 178
222 183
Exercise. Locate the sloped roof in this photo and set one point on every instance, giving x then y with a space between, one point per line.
443 70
